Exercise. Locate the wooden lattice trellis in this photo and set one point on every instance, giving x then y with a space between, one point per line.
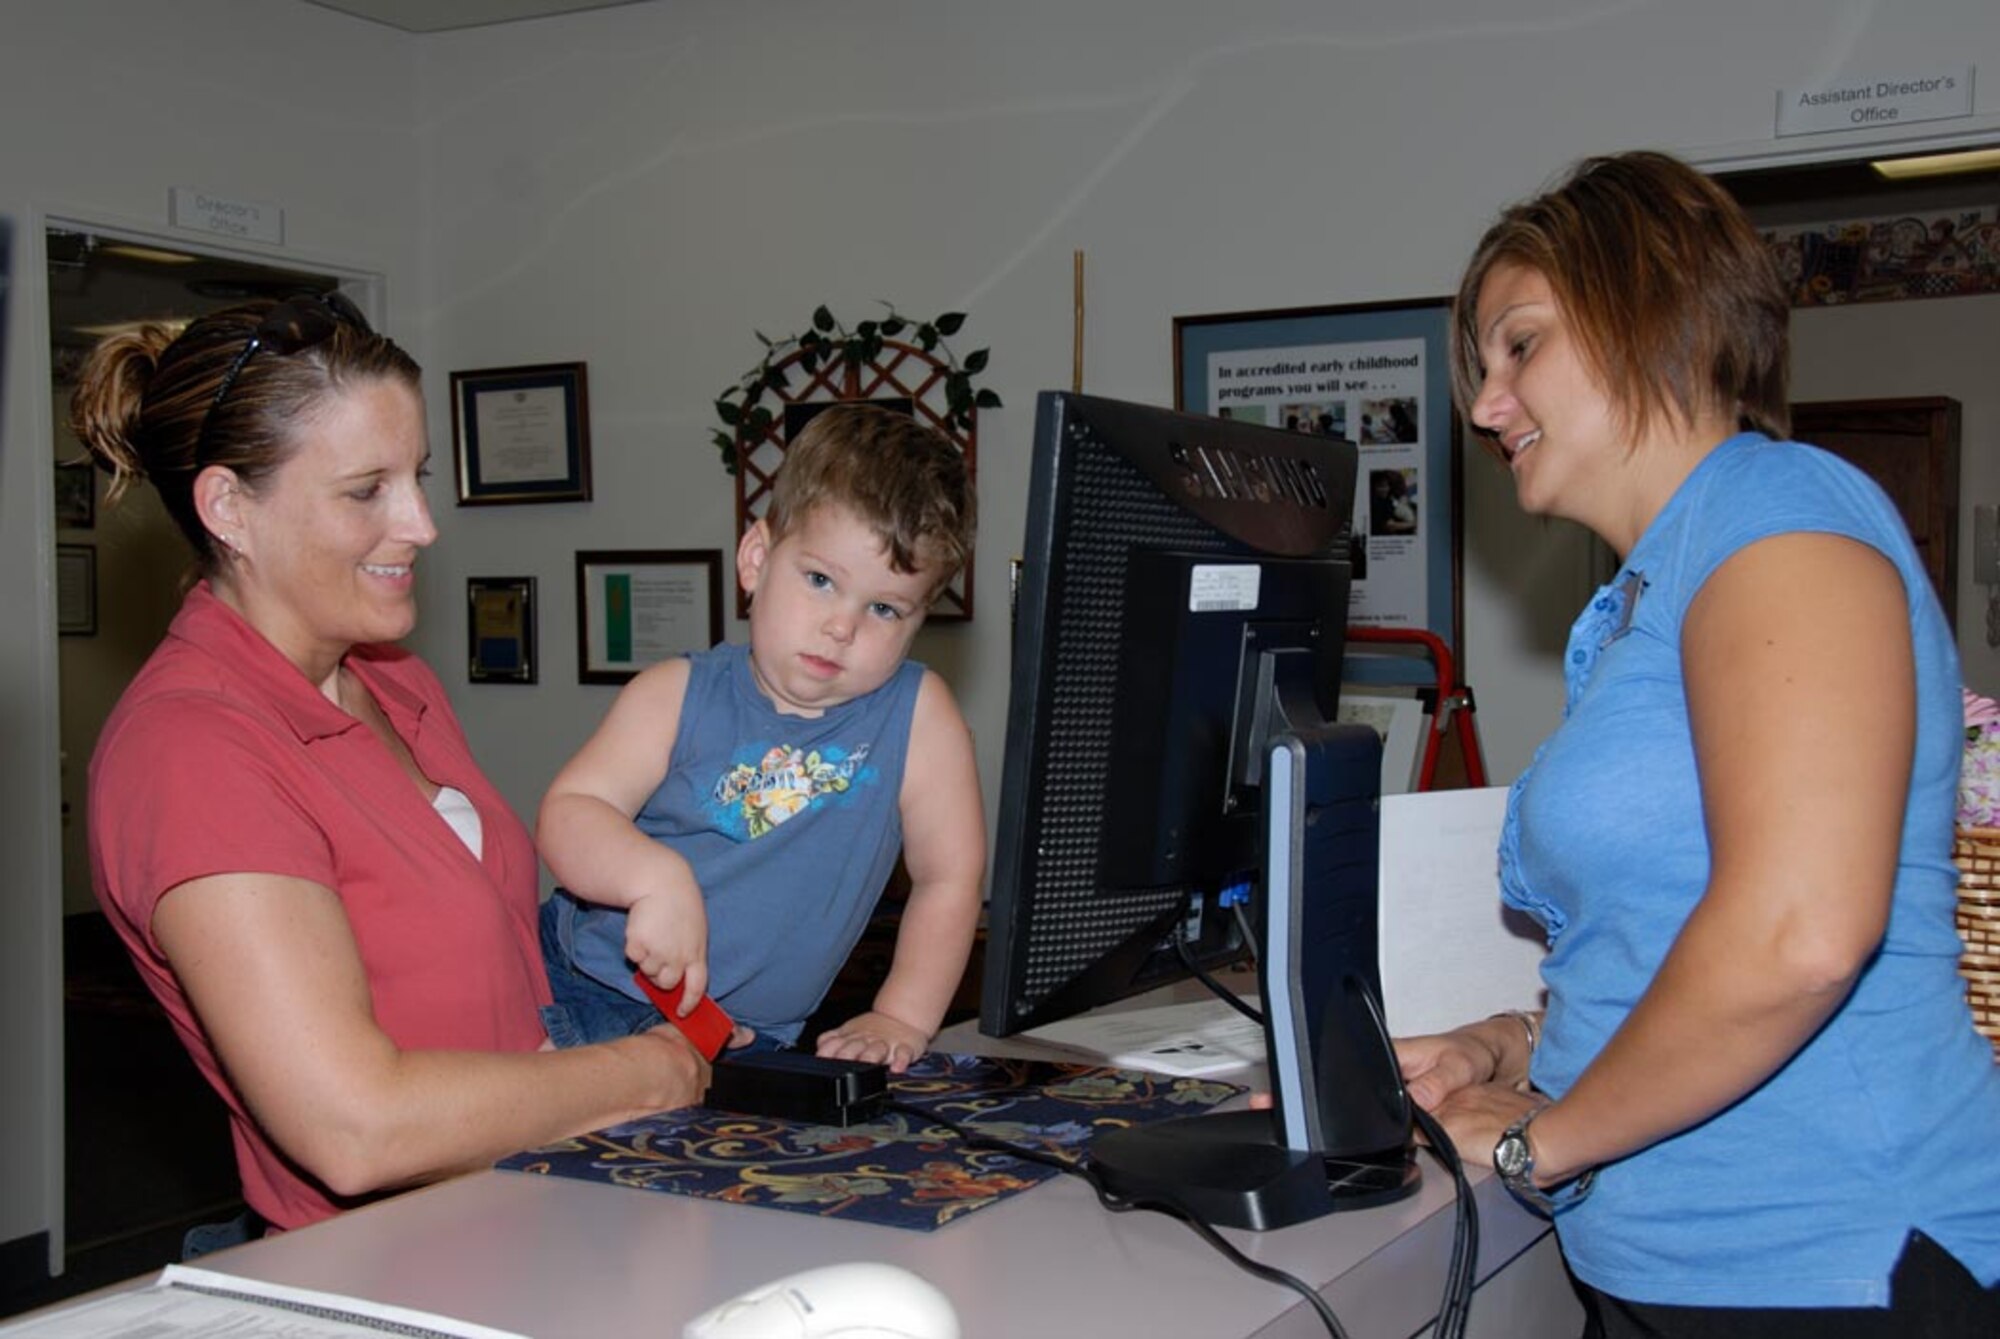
900 373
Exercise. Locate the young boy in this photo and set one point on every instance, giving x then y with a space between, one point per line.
732 823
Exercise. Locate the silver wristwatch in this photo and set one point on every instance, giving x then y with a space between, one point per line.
1514 1160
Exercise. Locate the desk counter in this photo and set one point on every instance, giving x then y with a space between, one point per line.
554 1258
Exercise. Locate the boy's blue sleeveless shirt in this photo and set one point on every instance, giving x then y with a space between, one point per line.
792 825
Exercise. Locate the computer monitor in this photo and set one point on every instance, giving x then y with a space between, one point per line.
1180 627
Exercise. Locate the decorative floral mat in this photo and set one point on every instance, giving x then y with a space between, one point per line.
899 1171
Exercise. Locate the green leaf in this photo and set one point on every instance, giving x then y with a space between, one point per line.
741 408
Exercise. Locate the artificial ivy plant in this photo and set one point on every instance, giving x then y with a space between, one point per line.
745 416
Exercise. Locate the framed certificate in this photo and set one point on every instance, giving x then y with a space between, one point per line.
76 590
76 494
636 607
500 629
521 434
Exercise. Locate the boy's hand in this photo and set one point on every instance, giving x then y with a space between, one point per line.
877 1038
666 938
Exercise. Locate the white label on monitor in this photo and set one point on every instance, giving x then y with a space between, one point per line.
1216 589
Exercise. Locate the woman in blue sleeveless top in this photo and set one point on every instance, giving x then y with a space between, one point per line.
1755 1104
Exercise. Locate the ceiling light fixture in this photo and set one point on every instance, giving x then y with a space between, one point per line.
133 251
1938 164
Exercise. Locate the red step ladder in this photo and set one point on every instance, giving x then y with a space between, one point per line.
1449 701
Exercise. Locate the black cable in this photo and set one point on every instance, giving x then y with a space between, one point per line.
1119 1204
1220 991
1454 1309
1456 1306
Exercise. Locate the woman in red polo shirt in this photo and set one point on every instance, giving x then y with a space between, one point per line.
287 828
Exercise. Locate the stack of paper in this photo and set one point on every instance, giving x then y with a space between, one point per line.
193 1303
1203 1037
1450 950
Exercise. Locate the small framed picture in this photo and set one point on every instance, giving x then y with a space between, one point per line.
1398 717
638 607
76 590
76 494
500 630
521 434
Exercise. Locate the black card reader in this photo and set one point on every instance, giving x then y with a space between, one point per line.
792 1085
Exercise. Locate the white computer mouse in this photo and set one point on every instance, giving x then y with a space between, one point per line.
859 1300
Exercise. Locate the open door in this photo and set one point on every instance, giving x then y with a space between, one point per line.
147 1146
1910 447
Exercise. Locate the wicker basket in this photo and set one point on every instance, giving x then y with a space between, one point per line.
1977 853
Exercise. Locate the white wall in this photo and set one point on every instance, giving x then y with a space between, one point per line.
105 105
641 187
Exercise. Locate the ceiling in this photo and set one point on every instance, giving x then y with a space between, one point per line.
431 16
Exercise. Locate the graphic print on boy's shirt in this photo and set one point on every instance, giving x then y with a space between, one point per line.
750 799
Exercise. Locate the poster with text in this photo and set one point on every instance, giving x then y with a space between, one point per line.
1377 376
1372 394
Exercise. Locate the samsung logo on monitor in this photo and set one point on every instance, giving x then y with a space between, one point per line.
1226 474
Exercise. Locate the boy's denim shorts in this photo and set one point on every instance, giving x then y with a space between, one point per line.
586 1010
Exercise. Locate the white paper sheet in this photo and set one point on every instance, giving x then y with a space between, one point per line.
202 1304
1451 951
1192 1039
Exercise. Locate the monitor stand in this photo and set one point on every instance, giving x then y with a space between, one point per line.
1337 1135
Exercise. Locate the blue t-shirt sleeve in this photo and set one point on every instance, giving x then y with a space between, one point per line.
1773 488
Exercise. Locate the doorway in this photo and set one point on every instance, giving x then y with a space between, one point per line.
1897 345
147 1144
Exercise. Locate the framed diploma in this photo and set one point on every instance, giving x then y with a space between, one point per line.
521 434
635 607
76 494
500 629
76 590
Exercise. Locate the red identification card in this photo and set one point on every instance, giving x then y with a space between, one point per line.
708 1027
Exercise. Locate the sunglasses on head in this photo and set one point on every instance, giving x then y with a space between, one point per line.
294 324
